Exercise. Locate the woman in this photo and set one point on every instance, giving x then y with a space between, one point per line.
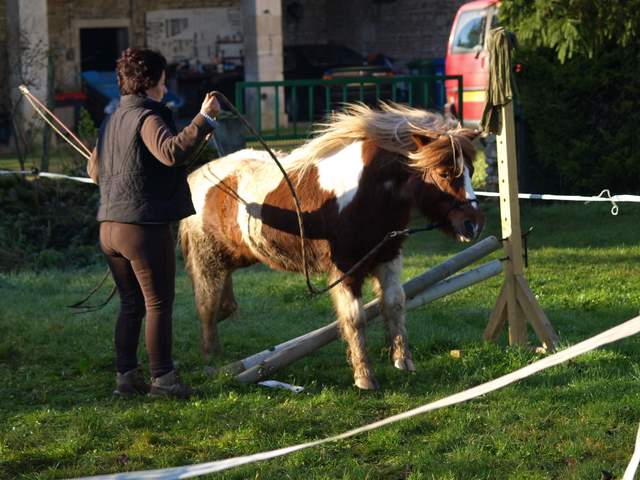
140 165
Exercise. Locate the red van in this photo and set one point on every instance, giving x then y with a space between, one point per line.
467 56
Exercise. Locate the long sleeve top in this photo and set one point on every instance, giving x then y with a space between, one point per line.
169 149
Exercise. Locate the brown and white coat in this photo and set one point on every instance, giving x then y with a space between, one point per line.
356 182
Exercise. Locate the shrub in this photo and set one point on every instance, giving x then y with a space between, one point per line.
581 119
47 223
48 258
579 93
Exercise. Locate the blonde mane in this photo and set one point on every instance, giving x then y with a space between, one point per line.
392 128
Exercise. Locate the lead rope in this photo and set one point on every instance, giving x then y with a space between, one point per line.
303 250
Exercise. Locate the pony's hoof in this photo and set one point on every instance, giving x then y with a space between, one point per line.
366 383
404 364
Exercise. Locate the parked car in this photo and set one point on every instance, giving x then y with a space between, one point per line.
467 56
328 62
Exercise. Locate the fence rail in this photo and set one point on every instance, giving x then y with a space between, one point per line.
287 109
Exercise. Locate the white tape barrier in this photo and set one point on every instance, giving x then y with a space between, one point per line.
631 327
283 385
568 198
46 174
604 196
630 472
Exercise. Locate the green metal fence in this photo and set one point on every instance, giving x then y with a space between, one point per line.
287 109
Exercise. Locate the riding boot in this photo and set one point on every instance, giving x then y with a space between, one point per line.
169 385
131 383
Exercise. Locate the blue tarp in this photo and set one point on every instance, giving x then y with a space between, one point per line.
106 84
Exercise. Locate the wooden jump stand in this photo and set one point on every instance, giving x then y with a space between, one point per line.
516 302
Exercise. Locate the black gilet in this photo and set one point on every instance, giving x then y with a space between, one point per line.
134 186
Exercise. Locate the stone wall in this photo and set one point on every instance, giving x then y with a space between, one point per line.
4 67
305 22
4 78
401 29
67 16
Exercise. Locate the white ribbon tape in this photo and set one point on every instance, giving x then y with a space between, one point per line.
46 174
630 472
631 327
277 384
604 196
569 198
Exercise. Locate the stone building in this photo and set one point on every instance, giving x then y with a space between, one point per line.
70 36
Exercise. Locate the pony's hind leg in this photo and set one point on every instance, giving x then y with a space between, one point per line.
208 296
228 304
350 320
391 295
210 280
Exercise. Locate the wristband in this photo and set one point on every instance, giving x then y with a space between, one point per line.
213 123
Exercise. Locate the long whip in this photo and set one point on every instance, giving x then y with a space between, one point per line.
59 127
294 195
55 123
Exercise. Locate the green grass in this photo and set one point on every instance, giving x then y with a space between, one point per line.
11 162
59 162
58 418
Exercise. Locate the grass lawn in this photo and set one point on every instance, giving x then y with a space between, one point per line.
575 421
59 161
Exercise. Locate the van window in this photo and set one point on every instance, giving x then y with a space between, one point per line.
469 31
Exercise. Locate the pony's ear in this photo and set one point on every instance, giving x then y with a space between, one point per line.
420 140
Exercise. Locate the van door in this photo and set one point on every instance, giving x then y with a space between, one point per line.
467 56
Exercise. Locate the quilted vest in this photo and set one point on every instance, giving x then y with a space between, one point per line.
135 187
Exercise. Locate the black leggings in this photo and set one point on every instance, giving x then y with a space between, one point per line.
142 262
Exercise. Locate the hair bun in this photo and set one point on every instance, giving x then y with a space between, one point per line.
139 69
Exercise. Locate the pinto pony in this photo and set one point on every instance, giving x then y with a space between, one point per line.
356 181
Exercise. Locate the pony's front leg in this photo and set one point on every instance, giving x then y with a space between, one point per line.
351 322
391 295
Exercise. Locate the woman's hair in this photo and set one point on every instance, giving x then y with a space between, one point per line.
139 69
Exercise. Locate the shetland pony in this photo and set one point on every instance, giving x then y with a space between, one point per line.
356 181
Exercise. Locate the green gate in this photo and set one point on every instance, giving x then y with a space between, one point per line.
288 109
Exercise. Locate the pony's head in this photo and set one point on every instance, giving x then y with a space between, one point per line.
438 154
442 166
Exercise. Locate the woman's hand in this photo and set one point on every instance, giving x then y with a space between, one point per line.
210 105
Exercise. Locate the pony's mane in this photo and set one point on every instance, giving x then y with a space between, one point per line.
392 128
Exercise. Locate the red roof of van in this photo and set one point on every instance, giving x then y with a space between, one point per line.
477 4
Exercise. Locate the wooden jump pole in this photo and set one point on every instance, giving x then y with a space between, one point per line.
312 342
411 288
516 303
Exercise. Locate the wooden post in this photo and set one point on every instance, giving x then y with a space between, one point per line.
516 303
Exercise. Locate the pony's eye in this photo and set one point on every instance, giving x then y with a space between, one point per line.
444 175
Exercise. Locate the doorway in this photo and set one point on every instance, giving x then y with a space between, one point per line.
101 47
